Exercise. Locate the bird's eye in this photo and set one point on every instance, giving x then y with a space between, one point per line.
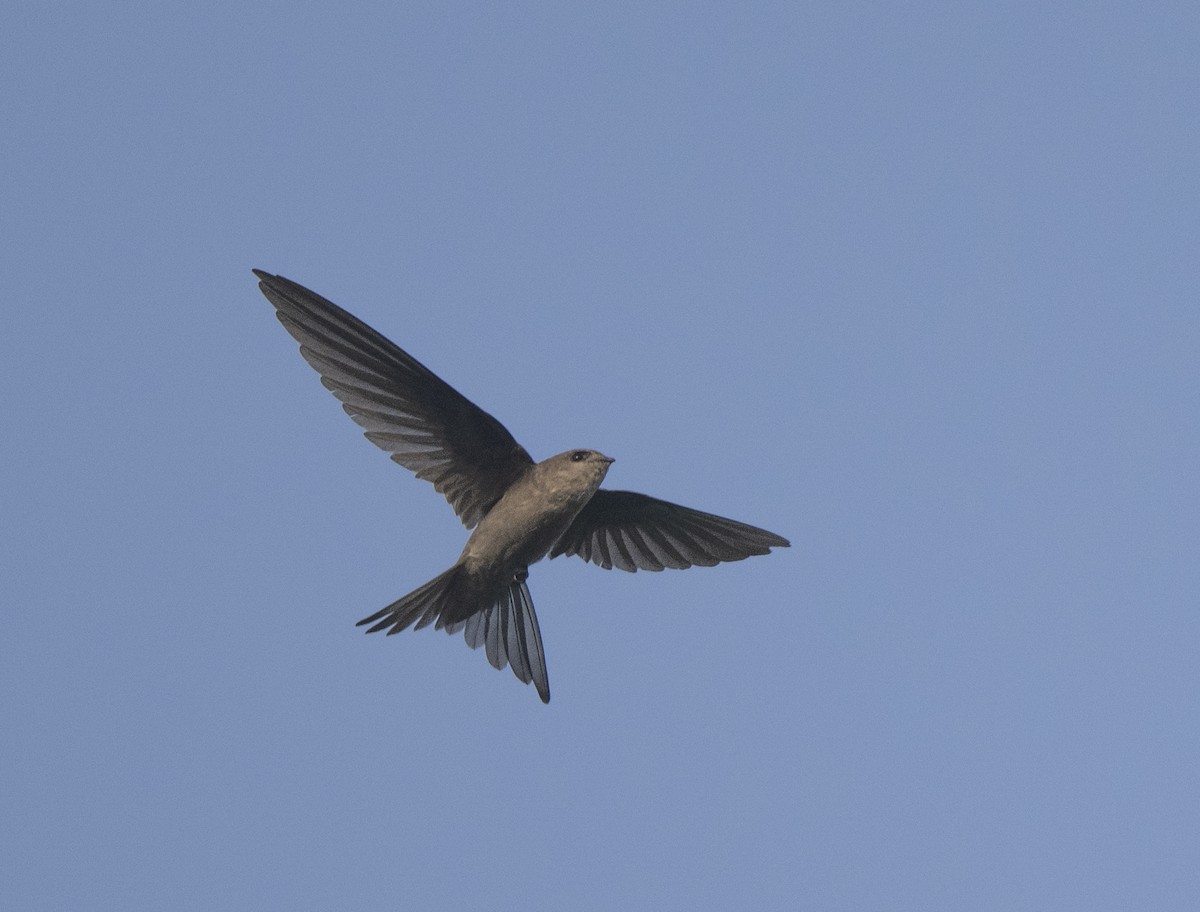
579 456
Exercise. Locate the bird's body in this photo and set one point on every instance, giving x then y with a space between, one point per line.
536 510
521 511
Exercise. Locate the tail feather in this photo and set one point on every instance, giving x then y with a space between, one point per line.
425 602
507 628
525 640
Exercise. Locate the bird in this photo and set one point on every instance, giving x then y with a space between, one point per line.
520 511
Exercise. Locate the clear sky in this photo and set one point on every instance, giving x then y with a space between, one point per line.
914 285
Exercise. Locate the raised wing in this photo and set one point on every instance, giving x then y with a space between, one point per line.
406 409
632 531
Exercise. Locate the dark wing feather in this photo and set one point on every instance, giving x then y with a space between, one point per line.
632 531
406 409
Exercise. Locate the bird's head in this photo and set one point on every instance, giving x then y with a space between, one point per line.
578 470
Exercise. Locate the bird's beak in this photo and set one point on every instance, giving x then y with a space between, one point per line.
608 459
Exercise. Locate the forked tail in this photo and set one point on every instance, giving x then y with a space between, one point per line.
507 628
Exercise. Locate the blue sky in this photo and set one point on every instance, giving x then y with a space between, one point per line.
912 285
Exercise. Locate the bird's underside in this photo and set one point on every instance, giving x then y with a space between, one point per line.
520 510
